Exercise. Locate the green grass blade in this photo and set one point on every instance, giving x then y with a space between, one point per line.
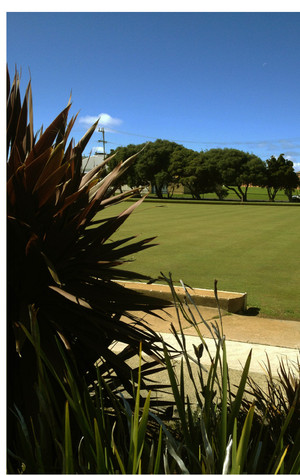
294 455
45 359
178 401
296 465
223 441
193 428
150 466
239 395
68 451
235 468
207 447
182 392
142 431
244 439
38 452
133 448
158 453
211 381
100 457
283 430
280 465
116 452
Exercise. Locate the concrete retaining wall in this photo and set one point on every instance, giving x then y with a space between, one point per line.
233 302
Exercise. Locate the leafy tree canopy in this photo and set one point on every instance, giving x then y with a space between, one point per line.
152 165
199 175
280 175
237 169
165 164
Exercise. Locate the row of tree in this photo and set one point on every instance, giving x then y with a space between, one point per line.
164 165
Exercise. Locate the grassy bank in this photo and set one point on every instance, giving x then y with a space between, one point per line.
249 249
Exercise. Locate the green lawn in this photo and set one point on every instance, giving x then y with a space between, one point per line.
247 248
254 193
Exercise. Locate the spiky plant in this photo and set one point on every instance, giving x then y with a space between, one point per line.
277 413
62 263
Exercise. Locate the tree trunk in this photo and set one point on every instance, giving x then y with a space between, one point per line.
220 192
243 194
289 193
158 192
170 191
236 192
271 193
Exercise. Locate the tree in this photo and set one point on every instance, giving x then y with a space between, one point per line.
238 170
280 175
152 166
199 175
179 161
212 162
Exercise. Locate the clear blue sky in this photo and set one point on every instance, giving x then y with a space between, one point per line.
201 79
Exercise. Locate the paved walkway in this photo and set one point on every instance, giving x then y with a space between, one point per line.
276 338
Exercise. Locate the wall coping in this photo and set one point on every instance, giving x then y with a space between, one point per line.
233 302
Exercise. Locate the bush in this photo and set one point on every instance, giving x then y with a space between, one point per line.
62 261
97 431
230 432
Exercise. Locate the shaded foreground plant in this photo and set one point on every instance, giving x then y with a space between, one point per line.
61 261
278 407
98 431
228 432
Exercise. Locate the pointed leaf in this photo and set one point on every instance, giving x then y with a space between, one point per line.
68 451
47 190
48 136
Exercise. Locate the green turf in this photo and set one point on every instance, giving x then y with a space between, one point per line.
255 193
247 248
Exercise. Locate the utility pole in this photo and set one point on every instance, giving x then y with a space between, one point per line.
102 141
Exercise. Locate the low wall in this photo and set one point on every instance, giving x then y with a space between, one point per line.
233 302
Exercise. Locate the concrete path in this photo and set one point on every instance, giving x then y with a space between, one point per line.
237 353
276 338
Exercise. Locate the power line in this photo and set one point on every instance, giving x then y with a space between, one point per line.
114 143
131 133
253 142
150 137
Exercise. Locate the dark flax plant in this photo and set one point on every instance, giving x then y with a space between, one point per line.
62 263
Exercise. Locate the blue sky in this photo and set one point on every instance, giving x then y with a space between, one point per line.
201 79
